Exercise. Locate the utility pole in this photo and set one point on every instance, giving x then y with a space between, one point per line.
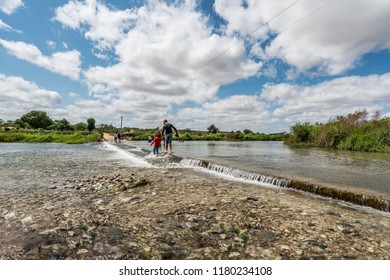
121 124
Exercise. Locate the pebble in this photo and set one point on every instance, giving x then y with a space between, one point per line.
184 215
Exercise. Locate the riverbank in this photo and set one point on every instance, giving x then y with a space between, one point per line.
150 213
353 132
20 136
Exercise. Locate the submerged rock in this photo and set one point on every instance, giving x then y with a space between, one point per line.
179 214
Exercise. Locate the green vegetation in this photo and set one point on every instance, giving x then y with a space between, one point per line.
213 129
37 119
353 132
37 126
49 136
91 124
193 135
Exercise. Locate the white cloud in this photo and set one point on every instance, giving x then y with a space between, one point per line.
64 63
18 96
237 112
328 99
332 40
165 58
167 54
8 28
9 6
101 24
51 44
170 55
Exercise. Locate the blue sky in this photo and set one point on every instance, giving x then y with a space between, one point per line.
257 64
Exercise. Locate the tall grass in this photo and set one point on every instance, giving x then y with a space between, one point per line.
353 132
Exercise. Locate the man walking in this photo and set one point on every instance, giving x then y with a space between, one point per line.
167 131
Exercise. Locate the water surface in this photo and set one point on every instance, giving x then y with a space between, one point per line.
357 169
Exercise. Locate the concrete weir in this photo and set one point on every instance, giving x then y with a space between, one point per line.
351 196
326 191
345 195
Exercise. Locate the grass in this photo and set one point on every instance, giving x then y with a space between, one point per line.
353 132
49 136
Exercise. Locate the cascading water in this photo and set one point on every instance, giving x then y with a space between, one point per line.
172 161
236 173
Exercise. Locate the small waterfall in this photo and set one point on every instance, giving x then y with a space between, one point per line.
236 173
193 162
326 191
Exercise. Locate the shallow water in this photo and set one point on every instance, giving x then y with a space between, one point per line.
357 169
35 165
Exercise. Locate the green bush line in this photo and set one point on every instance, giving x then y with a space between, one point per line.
352 132
44 136
190 135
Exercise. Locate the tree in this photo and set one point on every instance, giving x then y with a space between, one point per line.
20 124
61 125
248 131
213 129
80 126
37 119
91 124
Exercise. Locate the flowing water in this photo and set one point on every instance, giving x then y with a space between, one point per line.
356 169
34 165
24 164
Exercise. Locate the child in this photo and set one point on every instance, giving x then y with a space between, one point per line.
157 142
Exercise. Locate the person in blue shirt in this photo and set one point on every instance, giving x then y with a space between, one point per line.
167 132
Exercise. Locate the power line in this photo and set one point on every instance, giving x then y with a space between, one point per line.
282 31
307 16
225 51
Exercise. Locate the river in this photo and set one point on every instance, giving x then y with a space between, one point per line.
21 164
356 169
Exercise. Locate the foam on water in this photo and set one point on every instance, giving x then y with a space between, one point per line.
129 157
233 174
144 158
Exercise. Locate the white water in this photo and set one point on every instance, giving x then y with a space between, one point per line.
130 158
362 170
233 173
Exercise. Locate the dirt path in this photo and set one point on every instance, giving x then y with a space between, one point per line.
108 137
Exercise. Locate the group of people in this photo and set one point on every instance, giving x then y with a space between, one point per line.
118 137
166 135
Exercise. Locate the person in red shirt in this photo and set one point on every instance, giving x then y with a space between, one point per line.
156 142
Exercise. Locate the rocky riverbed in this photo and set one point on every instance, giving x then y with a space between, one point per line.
151 213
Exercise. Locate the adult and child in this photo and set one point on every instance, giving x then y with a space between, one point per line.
166 136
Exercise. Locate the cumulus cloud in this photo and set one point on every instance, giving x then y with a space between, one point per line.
165 59
10 6
237 112
98 22
330 37
169 54
64 63
328 99
18 96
